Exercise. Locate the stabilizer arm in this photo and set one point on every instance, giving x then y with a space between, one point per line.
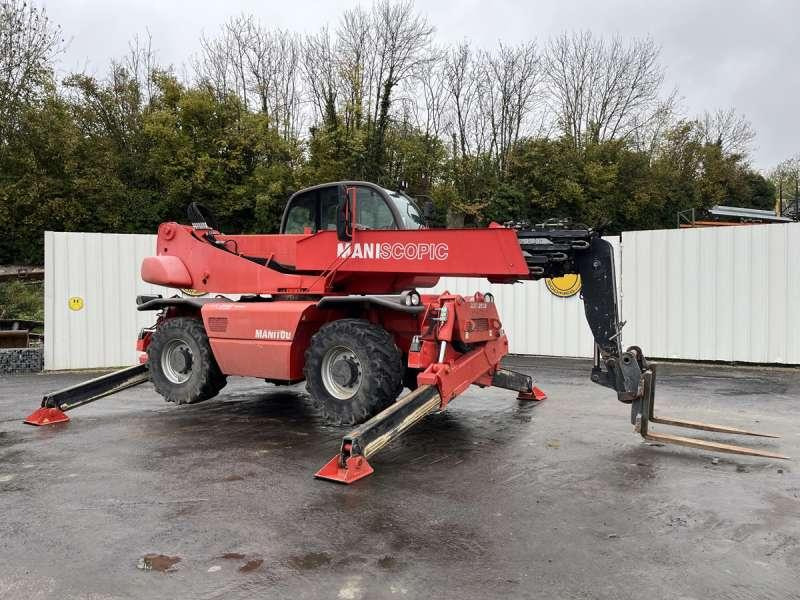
56 404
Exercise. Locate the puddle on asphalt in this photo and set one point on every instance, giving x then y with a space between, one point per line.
158 562
312 560
251 565
387 562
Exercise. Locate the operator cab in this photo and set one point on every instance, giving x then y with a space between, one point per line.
315 208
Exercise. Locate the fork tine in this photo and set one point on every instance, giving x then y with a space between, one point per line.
705 445
708 427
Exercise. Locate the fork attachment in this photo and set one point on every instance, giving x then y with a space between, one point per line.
629 373
642 416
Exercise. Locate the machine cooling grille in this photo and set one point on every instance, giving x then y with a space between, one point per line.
481 324
218 324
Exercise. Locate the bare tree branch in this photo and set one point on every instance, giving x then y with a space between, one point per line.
509 90
732 132
261 66
600 89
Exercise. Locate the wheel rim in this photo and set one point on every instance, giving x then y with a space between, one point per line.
341 372
176 361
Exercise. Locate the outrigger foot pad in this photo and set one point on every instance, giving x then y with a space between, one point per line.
525 385
535 395
355 468
46 416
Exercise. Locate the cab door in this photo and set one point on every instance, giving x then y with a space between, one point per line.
315 210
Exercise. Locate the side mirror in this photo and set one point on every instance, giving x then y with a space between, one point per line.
344 216
427 209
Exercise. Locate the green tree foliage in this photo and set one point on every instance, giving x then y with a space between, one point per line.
95 159
199 147
785 178
22 300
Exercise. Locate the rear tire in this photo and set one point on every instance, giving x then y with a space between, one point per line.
182 367
353 370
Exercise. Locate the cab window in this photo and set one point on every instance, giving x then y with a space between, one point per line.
328 202
373 211
412 219
302 213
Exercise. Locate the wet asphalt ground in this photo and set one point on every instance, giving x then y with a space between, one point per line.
136 498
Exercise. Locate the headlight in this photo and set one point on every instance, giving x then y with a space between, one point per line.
412 298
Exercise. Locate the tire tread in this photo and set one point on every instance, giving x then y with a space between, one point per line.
382 366
210 380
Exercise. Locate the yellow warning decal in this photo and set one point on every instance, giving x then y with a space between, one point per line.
193 293
564 286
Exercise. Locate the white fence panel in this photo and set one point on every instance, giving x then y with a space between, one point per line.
722 293
103 270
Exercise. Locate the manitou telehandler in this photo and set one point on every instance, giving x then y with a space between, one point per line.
333 300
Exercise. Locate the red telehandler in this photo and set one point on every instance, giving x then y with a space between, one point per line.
333 300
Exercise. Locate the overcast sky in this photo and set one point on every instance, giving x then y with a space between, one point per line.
740 53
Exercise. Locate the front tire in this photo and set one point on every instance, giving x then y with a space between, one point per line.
182 367
353 370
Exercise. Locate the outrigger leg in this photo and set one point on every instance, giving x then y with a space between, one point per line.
55 405
351 464
357 446
446 381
